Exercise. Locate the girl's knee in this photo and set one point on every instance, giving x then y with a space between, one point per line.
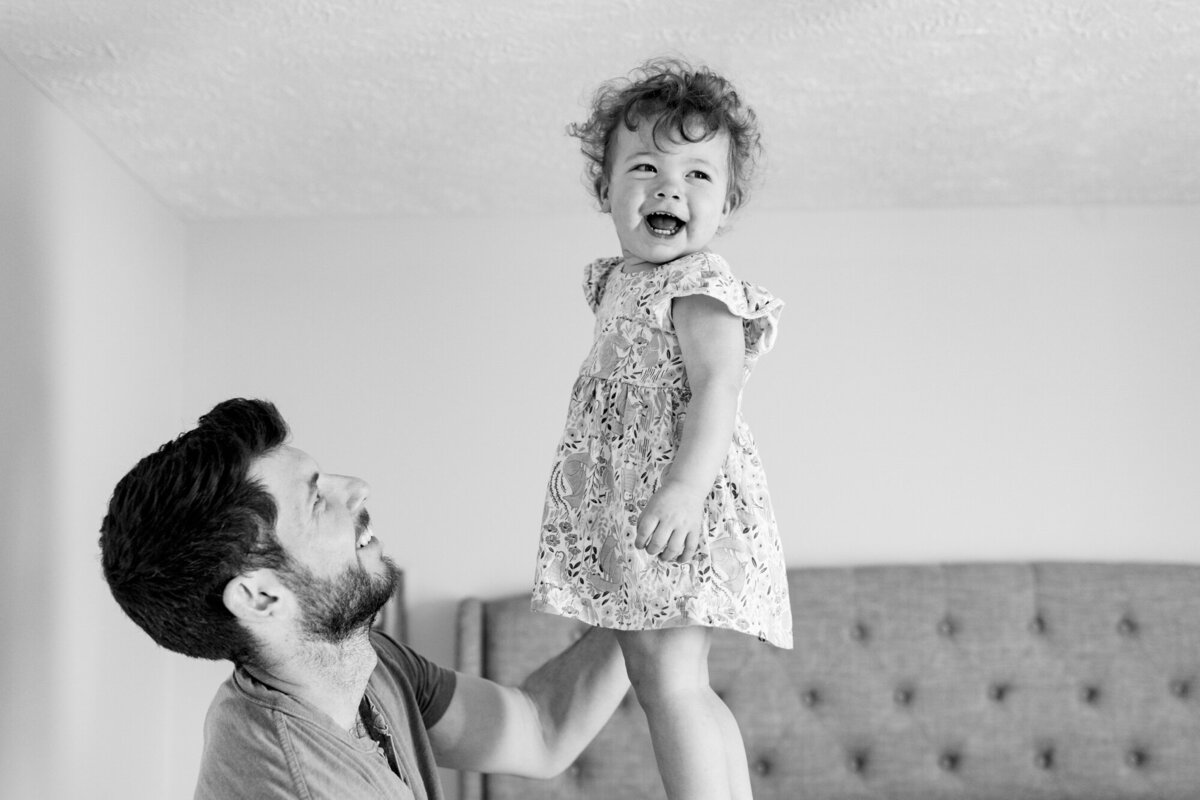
688 643
661 661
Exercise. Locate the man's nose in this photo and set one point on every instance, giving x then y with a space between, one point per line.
355 490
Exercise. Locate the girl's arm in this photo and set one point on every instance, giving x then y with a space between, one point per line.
711 339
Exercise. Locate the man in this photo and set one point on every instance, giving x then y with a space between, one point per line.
227 543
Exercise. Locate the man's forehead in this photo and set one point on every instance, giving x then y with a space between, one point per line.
285 469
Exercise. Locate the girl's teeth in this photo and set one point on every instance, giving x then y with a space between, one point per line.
664 224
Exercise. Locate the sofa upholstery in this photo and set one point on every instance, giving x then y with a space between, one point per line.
988 680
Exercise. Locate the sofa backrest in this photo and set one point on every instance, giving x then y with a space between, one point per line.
980 681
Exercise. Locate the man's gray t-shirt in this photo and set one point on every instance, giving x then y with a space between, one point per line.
261 743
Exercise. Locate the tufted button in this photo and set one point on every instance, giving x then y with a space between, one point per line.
859 632
1090 695
1038 625
810 698
1045 758
1181 689
1127 627
998 692
857 762
903 696
1136 758
947 627
762 766
949 761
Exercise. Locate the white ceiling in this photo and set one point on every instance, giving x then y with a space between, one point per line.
284 108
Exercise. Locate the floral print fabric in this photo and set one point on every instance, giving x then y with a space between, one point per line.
624 421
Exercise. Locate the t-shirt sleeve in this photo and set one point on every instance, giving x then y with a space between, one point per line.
708 274
432 685
595 276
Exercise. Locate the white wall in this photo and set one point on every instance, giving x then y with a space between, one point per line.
91 323
974 384
982 384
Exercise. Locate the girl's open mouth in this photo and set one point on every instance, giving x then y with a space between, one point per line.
663 224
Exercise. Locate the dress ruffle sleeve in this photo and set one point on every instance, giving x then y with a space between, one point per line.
595 276
708 274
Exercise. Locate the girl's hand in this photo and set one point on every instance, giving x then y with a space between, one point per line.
669 526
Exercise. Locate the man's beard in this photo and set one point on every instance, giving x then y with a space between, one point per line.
334 609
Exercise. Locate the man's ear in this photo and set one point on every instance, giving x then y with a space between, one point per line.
255 595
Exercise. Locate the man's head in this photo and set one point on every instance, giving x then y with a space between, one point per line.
335 576
197 545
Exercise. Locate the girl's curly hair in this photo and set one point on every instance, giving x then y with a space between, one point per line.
676 96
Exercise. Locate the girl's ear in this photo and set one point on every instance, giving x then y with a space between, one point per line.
605 205
255 595
732 201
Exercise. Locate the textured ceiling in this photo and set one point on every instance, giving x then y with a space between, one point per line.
283 108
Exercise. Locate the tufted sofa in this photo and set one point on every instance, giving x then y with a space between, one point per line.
1009 681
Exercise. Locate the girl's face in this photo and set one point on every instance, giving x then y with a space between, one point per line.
666 201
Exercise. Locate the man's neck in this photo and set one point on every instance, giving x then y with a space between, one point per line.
330 677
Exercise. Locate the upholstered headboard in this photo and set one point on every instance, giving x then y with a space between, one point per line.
1030 680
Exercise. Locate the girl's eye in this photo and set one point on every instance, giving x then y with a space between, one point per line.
643 168
696 173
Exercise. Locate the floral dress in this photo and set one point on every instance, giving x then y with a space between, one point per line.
624 423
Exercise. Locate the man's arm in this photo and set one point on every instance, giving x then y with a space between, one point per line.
538 728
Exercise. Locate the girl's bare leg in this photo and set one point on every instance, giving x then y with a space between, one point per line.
669 671
735 751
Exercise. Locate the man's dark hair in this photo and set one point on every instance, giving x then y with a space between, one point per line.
188 519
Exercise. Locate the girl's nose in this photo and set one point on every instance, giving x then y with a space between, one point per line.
667 186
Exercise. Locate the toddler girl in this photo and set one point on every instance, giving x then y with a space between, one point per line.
657 521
